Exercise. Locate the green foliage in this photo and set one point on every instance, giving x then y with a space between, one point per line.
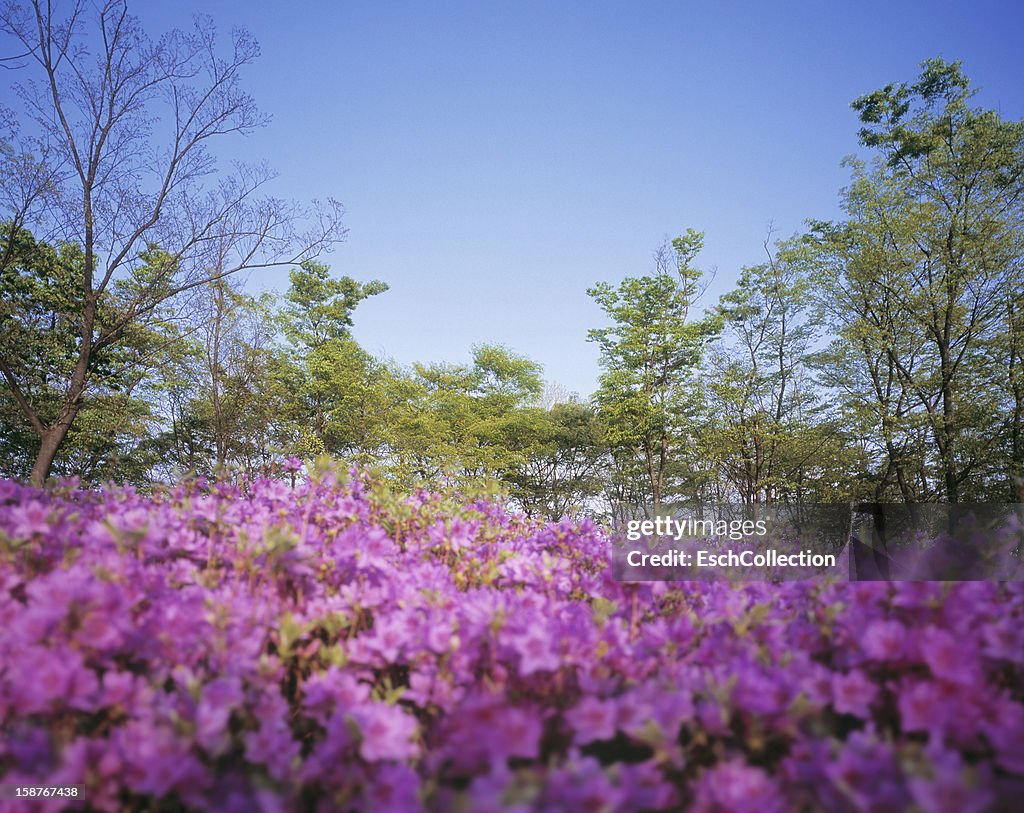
41 317
563 464
921 283
880 357
320 306
39 313
466 418
650 391
225 390
768 434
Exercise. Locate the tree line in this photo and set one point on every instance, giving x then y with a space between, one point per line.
875 357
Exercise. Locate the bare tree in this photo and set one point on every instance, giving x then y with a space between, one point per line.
116 159
555 393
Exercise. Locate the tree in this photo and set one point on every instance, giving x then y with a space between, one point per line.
564 461
874 345
37 321
240 398
115 159
928 269
765 428
320 306
649 395
336 397
466 422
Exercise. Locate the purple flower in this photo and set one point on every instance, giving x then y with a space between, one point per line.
272 745
582 786
866 773
42 677
390 635
99 631
885 640
156 762
218 698
147 622
924 706
1004 639
27 519
949 658
521 731
386 732
735 787
119 688
333 688
392 789
592 719
30 747
1006 733
536 653
951 789
761 692
853 693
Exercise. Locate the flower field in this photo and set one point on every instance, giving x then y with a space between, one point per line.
334 646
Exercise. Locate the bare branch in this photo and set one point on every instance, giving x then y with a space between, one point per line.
122 132
19 397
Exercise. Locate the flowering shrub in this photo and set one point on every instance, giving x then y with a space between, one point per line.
257 647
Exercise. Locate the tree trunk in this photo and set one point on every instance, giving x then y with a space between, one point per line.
950 475
49 443
51 437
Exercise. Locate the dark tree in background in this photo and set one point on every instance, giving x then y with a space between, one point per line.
109 151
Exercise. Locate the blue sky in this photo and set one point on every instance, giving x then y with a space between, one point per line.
497 159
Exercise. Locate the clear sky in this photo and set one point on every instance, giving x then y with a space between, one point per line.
497 159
